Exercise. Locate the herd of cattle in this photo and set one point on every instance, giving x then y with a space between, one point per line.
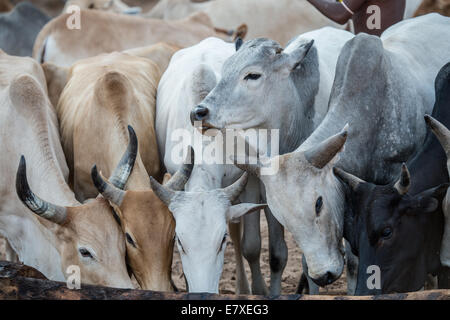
87 118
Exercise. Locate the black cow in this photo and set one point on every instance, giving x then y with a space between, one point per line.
20 27
399 227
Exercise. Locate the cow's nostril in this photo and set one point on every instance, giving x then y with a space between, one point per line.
330 277
201 112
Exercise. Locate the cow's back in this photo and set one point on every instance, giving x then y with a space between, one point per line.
103 96
103 32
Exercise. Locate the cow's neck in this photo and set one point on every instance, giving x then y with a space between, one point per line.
308 108
33 243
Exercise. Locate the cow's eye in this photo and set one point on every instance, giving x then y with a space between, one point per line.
386 233
85 253
91 6
130 240
319 204
252 76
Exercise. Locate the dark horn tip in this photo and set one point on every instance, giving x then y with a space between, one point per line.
192 153
97 179
133 137
22 187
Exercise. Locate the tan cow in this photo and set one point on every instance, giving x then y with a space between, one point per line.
103 32
439 6
39 215
116 6
279 20
102 96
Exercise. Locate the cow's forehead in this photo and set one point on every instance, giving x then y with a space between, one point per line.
256 51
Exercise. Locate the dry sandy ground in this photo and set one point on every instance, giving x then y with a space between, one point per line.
291 273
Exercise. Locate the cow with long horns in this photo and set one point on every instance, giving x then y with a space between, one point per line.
44 223
102 95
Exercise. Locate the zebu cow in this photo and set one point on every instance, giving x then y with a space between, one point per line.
58 44
102 95
399 227
116 6
298 81
369 71
20 27
49 229
202 212
292 17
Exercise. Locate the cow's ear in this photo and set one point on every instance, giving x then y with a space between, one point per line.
297 55
56 78
428 201
238 210
421 205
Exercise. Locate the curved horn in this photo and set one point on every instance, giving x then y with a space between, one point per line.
238 43
233 191
182 175
253 169
325 151
351 180
120 175
440 131
402 185
54 213
107 190
164 194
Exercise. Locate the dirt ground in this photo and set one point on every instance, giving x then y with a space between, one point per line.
291 274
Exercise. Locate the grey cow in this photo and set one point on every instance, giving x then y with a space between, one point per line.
382 89
19 28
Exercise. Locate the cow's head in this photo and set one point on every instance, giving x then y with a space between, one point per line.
308 200
86 235
201 229
147 224
257 78
396 232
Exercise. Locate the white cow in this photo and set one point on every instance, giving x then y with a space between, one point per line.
54 234
202 212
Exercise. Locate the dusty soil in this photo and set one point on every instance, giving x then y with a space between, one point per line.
291 274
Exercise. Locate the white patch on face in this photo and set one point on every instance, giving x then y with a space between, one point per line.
318 235
201 226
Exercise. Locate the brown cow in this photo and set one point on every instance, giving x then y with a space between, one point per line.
102 96
439 6
104 32
39 215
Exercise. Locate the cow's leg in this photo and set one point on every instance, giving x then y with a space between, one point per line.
242 286
352 269
312 286
251 239
278 252
251 249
